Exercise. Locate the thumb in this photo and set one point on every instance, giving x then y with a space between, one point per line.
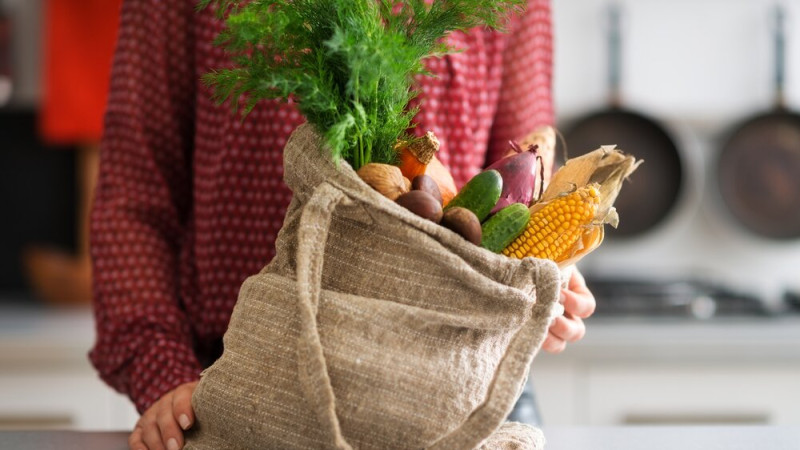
182 404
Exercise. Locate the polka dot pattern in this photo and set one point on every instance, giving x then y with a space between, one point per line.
190 198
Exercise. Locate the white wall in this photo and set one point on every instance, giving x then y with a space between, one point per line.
699 66
706 59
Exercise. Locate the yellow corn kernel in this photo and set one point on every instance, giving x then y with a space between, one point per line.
554 230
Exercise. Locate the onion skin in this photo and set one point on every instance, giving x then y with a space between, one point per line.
385 179
521 173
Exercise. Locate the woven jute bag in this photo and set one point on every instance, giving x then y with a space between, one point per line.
373 328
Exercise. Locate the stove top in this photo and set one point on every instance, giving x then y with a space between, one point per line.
679 298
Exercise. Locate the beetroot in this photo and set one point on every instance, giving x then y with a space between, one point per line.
520 174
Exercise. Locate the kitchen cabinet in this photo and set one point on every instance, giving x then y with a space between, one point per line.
742 371
46 380
62 399
693 394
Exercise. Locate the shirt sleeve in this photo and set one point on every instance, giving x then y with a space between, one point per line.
525 101
144 346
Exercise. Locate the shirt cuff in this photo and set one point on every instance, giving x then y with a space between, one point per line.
163 367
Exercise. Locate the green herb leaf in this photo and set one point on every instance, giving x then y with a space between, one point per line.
349 64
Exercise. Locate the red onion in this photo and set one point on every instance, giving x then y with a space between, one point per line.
519 173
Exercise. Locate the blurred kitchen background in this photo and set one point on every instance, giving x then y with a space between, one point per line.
698 317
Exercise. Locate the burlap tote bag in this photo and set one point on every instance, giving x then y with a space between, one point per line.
373 328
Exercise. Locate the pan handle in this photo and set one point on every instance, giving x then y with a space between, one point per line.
780 56
614 55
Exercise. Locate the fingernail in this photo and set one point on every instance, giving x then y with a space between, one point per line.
184 421
172 444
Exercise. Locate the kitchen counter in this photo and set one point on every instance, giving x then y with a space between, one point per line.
558 438
672 438
745 338
34 335
63 440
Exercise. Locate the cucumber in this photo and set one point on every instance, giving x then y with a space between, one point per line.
502 228
480 194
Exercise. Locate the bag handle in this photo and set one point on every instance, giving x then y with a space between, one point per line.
312 236
313 371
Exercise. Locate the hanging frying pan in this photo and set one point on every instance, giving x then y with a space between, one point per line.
759 164
656 186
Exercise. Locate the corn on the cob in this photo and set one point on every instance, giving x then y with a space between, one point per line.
558 226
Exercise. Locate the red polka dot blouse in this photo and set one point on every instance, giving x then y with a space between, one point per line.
190 198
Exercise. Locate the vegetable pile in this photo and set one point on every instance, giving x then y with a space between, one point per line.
505 210
349 65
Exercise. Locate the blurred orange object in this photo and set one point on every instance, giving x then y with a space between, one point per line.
79 42
80 37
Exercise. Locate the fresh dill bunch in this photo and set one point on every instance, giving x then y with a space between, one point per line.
349 64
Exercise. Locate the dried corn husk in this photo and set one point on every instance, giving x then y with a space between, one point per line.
544 138
608 168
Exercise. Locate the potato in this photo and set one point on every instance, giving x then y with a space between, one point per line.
464 222
422 204
428 184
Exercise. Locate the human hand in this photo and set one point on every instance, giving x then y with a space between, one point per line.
578 304
162 425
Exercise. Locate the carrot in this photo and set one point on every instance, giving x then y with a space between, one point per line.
418 157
